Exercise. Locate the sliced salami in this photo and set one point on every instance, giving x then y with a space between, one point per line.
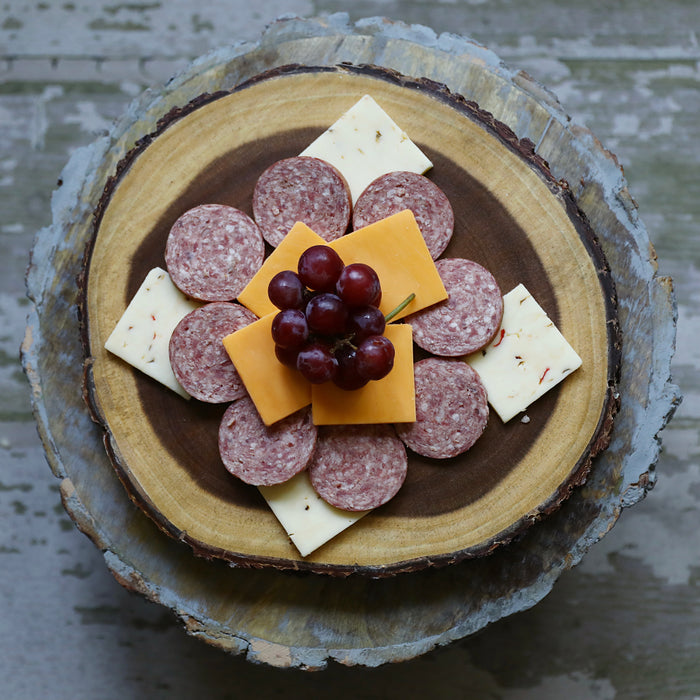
451 409
265 455
198 358
399 190
301 189
468 319
358 467
213 251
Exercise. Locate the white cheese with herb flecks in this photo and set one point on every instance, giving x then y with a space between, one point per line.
142 335
527 357
307 519
365 143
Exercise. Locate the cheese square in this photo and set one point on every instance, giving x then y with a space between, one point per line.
142 335
527 358
284 257
395 248
388 400
365 143
306 518
276 390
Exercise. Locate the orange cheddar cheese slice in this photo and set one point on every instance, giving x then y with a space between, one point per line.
276 390
387 400
284 257
395 248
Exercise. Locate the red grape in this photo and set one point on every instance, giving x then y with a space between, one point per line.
358 285
316 363
289 328
347 377
286 290
326 314
319 268
287 356
375 357
366 321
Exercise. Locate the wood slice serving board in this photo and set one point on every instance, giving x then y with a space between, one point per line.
510 215
284 618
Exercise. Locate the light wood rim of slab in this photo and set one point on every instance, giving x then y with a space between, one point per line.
558 460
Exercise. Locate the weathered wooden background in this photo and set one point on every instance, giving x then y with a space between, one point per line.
625 623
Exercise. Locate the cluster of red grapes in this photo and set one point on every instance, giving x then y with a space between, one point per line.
329 326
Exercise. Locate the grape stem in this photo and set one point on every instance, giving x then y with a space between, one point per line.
400 307
339 342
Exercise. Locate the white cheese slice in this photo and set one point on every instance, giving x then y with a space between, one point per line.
307 519
527 357
142 334
365 143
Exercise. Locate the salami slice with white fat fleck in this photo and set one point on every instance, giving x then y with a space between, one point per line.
399 190
197 355
301 189
213 251
451 409
265 455
468 319
358 467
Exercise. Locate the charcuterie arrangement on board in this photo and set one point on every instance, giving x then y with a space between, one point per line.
341 338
